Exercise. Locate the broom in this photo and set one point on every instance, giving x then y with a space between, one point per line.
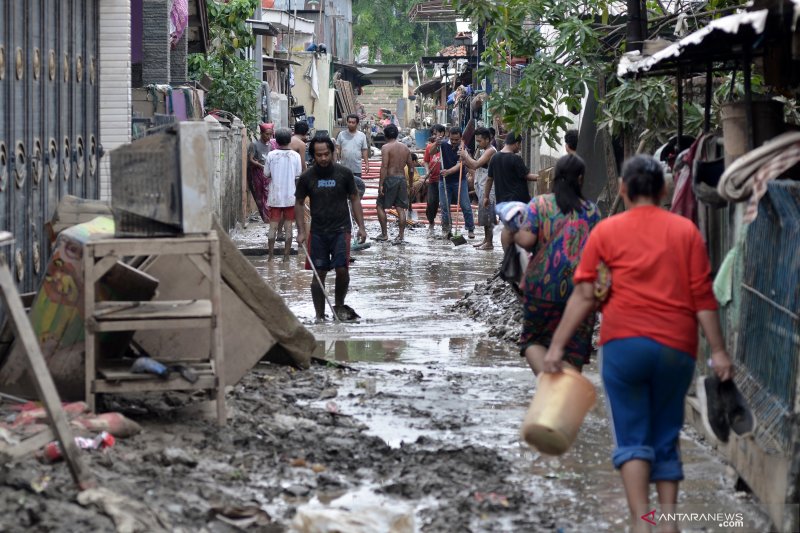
458 239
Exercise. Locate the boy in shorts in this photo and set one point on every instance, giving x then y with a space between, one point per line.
283 166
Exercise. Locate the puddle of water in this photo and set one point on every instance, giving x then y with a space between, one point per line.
474 350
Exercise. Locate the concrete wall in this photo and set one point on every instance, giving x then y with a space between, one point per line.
115 82
319 109
228 179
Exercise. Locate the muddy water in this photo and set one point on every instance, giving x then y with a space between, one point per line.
430 379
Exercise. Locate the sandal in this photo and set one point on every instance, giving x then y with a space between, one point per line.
398 240
485 246
381 238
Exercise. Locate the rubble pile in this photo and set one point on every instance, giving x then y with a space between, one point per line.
495 303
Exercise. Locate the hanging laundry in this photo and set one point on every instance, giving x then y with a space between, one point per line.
178 21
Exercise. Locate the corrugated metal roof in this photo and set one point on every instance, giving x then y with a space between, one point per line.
722 35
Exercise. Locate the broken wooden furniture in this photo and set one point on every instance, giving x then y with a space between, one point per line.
198 311
43 382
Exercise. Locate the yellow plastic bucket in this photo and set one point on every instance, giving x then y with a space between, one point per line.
557 411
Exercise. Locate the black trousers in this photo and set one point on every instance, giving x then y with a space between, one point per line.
433 202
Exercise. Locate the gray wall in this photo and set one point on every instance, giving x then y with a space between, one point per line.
155 41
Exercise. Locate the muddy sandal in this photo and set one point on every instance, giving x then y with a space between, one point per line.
381 238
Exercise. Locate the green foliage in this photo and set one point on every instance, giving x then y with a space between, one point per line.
235 85
383 25
564 58
647 105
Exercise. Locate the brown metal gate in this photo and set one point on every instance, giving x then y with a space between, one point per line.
49 128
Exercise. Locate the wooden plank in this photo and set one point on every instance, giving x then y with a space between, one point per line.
217 353
245 281
103 266
114 374
166 310
202 266
190 244
155 385
45 388
156 324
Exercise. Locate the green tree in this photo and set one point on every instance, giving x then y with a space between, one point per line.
235 86
384 25
563 47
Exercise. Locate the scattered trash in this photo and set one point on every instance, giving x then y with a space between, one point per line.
146 365
328 393
491 497
359 512
177 456
297 490
40 485
298 462
128 514
241 517
115 423
185 372
52 452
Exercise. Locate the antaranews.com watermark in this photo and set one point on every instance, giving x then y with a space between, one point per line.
723 520
711 517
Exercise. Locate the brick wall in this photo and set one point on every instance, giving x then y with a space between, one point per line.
375 97
155 41
178 68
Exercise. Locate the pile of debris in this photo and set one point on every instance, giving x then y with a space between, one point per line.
495 303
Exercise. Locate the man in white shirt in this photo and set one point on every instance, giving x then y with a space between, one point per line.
283 166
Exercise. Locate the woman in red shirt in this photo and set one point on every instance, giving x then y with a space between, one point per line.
661 290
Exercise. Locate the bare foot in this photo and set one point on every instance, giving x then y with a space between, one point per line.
486 246
270 257
478 245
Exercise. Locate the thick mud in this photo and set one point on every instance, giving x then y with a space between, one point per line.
411 425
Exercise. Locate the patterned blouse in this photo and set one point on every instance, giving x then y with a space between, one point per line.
550 277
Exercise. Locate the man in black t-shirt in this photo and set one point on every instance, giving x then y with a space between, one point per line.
328 186
510 176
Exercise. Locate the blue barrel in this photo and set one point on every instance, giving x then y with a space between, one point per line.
421 138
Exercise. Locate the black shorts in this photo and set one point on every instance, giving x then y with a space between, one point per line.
395 193
328 251
360 185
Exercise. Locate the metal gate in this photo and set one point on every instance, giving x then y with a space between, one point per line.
49 129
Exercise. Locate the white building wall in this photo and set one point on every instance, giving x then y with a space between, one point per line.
115 83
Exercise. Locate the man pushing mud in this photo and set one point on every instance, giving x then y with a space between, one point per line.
328 186
392 187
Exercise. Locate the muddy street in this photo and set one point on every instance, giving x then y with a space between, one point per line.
430 380
412 425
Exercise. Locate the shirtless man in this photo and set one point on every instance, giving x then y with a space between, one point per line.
298 143
392 186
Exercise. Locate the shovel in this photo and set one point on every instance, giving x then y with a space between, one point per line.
458 239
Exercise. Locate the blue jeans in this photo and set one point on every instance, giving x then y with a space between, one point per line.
646 385
452 192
